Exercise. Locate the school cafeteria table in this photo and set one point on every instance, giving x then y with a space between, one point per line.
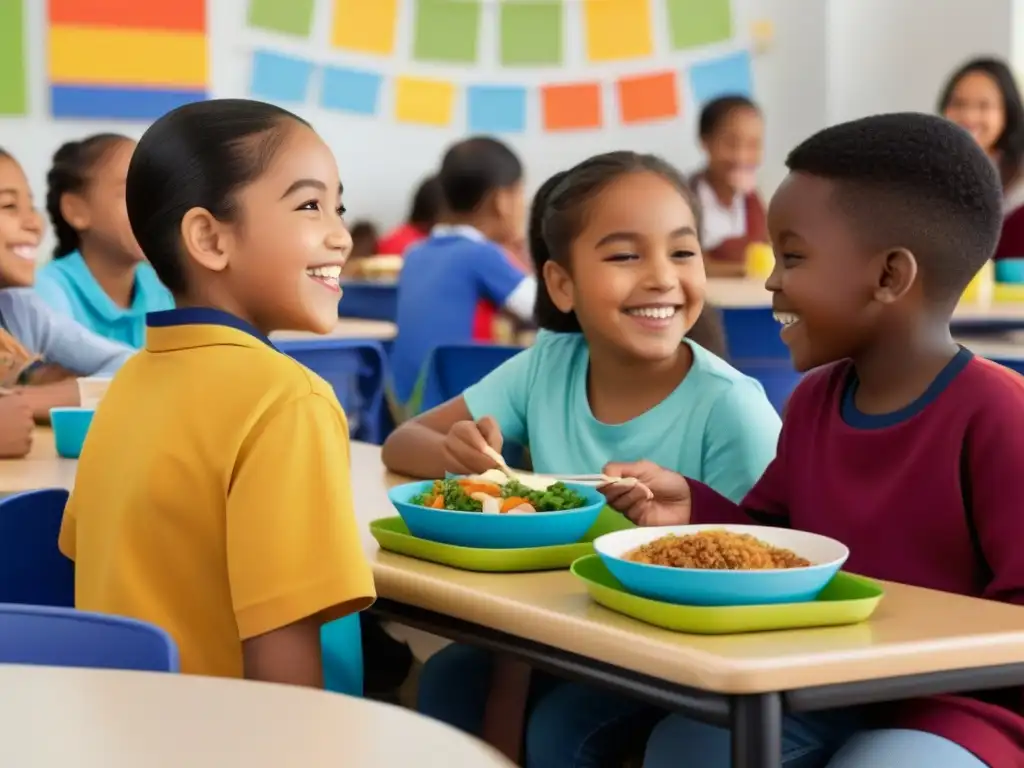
918 643
93 718
347 328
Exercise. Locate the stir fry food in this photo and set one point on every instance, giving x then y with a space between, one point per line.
716 550
474 494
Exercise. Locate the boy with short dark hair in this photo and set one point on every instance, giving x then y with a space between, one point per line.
453 283
901 444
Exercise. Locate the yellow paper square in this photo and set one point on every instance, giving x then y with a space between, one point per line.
618 29
424 101
367 26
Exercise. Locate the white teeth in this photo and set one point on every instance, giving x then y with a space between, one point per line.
332 272
26 252
654 313
786 318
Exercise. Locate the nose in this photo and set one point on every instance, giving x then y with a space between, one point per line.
340 239
661 273
774 281
33 222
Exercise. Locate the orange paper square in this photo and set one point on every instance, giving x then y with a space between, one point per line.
646 98
572 106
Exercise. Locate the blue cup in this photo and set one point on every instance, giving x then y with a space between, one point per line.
70 426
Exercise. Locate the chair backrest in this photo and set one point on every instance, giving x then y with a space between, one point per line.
369 301
32 569
64 637
453 368
356 368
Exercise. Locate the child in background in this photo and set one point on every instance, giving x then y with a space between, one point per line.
42 351
460 271
982 97
98 275
427 205
364 245
610 375
897 442
225 514
732 135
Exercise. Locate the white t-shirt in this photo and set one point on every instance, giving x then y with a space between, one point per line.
721 222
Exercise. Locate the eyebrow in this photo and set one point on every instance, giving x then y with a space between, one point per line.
314 183
632 237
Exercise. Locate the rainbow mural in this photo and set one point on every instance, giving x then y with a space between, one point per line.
126 59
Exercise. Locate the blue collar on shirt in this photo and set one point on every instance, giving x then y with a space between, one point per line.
856 418
81 276
204 316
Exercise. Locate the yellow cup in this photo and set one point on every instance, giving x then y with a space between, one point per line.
760 260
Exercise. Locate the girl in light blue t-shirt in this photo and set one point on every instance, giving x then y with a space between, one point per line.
610 377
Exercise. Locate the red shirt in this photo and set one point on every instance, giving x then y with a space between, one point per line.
395 242
926 496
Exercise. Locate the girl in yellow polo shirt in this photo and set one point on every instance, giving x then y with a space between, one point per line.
213 496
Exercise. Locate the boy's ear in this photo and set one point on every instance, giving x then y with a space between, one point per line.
558 282
205 239
897 273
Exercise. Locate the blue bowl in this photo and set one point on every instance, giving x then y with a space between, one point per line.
70 426
485 531
695 586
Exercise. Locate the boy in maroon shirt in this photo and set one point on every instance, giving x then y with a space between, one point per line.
899 443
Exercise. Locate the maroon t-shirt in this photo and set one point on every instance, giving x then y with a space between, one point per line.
926 496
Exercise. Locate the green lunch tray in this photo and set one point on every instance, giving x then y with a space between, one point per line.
847 599
393 535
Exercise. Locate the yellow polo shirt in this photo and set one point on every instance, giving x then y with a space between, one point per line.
213 493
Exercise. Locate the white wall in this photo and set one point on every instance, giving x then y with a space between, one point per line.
830 60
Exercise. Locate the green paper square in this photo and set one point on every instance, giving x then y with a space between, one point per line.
289 17
693 23
531 33
13 87
446 31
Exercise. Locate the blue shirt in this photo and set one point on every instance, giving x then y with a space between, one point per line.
57 338
717 426
67 285
442 280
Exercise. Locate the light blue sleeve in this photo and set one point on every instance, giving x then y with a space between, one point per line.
740 439
504 395
57 338
52 294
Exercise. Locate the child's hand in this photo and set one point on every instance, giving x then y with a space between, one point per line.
670 504
16 427
463 447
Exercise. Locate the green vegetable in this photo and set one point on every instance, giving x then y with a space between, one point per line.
455 498
555 498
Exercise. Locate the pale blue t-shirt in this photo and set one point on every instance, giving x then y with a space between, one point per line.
717 426
68 286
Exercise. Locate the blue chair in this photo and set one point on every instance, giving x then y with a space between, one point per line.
32 570
356 368
64 637
341 651
776 376
753 333
453 368
369 301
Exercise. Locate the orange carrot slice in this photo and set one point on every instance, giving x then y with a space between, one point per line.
438 502
512 502
489 488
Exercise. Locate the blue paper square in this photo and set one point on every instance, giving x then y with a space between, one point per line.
496 108
728 76
350 90
280 78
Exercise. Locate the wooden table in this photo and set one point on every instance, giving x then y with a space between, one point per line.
347 328
92 718
919 642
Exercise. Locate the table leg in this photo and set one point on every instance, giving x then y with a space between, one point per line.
757 731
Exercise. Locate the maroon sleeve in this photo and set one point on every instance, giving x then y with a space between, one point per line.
994 459
757 222
764 505
1011 241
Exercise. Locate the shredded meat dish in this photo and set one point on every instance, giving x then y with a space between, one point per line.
716 550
